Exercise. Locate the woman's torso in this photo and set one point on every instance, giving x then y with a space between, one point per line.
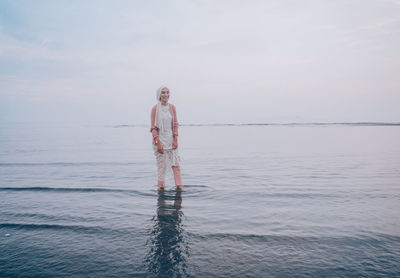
165 134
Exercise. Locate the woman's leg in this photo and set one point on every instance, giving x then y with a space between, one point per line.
177 176
161 170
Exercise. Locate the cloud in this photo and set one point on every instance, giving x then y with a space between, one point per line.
218 54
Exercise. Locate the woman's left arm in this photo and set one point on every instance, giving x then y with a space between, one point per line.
175 129
175 142
175 121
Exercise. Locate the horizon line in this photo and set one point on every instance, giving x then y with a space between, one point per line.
277 124
359 123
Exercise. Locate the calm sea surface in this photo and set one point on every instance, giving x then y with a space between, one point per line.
258 201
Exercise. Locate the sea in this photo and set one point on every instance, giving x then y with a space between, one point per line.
258 200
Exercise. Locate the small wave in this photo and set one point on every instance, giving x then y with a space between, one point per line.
75 189
39 164
372 237
127 231
300 195
146 193
48 217
195 185
72 189
31 226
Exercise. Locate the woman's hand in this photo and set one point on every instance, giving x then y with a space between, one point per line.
158 144
175 143
160 148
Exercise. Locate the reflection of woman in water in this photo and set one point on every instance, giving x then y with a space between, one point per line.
168 249
164 128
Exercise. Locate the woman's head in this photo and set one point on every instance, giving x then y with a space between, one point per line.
163 94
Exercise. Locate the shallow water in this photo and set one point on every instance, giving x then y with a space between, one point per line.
258 201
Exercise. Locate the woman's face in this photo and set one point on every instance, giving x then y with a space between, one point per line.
164 95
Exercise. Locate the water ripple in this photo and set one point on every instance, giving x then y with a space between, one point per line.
32 226
44 164
75 189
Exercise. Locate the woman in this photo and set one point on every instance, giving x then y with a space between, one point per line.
164 128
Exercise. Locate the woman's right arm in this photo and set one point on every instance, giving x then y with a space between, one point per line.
153 128
154 131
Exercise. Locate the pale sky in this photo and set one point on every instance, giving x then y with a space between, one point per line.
224 61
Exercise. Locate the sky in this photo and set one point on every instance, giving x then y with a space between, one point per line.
223 61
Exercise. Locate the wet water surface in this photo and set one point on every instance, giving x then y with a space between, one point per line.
258 201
